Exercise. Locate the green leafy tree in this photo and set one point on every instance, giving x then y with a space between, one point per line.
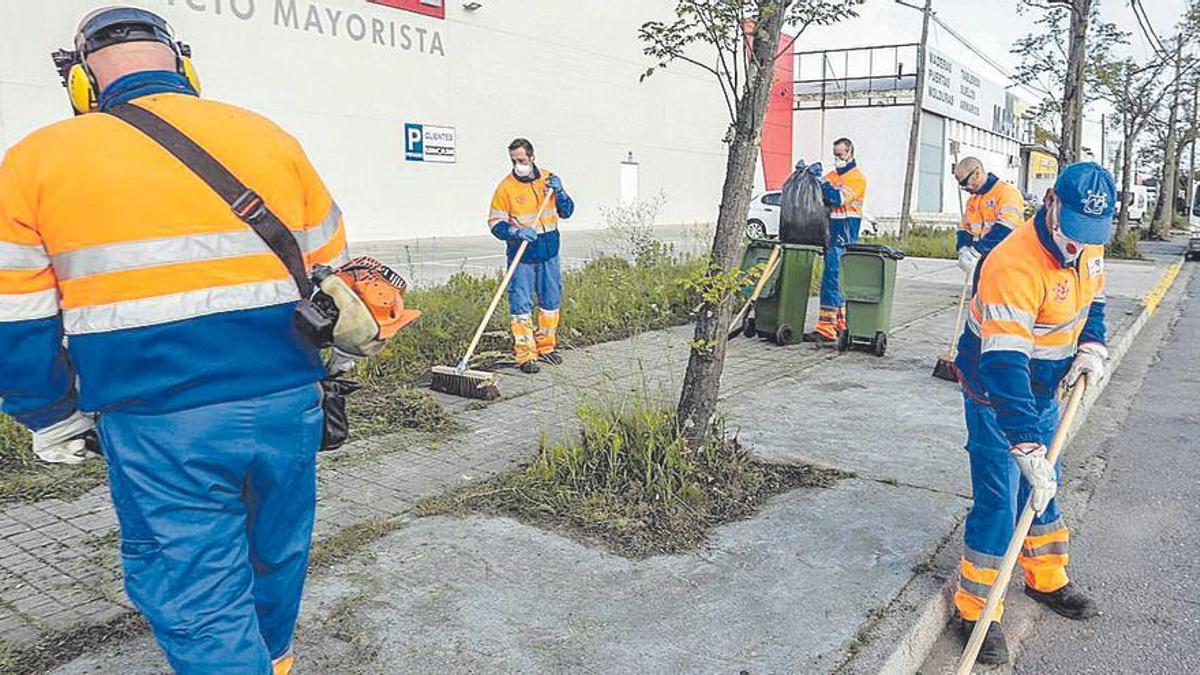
737 42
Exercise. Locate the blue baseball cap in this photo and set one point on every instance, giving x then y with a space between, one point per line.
1088 195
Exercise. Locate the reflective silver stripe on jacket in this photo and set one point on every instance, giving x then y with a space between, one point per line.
28 306
190 248
22 257
1006 313
178 306
1009 343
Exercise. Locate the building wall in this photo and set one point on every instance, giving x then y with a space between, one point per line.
345 76
880 138
1000 155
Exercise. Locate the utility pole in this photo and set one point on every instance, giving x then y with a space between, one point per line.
1191 193
1072 111
1103 136
914 134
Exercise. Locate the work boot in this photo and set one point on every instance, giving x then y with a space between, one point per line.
819 338
530 367
994 650
1069 601
553 358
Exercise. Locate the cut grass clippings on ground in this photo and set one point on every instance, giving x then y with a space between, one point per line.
630 483
607 299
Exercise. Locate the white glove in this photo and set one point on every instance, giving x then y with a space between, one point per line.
968 258
1090 359
340 362
65 442
1031 459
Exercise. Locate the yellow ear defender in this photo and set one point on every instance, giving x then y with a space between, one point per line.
108 27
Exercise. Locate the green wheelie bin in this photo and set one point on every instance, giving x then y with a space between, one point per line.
782 305
869 283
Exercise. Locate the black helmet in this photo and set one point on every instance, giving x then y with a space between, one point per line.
116 25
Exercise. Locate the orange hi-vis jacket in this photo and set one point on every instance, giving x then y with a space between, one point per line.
852 186
516 202
169 301
1029 313
991 215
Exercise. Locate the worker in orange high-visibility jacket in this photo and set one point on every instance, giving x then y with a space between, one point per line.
179 321
1036 319
844 190
993 211
517 216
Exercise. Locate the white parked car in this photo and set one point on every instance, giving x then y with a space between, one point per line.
763 220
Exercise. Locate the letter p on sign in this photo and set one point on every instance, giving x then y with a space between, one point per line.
414 142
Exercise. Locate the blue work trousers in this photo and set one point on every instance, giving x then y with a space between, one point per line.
216 510
842 231
999 493
541 278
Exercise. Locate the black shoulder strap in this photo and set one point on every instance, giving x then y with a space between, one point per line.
244 202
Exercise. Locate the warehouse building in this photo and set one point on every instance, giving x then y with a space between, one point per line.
407 106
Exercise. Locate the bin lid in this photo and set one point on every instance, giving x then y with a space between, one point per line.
876 249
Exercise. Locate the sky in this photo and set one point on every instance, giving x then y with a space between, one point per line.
991 25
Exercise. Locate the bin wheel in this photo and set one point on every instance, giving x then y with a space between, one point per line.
879 344
843 340
783 336
749 329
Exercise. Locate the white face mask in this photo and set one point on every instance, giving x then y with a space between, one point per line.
840 163
523 170
1069 248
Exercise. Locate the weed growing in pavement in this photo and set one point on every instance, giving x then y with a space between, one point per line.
608 299
630 482
1124 248
923 241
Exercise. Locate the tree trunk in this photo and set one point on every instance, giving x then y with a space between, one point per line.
1072 115
1126 182
1164 212
702 383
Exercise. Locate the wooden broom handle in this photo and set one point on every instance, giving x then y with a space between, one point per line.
768 270
962 301
1000 585
508 275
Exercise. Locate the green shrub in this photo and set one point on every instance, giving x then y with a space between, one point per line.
923 241
1124 248
630 481
607 299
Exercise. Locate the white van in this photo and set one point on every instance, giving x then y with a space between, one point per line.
1137 201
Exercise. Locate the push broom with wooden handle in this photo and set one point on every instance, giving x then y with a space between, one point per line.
460 380
1000 585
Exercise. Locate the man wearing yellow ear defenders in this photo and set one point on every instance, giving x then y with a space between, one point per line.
181 338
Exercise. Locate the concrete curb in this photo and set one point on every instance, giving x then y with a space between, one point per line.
931 615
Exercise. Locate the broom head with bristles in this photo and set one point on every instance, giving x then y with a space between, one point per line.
944 369
466 383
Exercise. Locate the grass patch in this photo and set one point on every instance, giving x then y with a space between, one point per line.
1124 248
630 483
607 299
923 241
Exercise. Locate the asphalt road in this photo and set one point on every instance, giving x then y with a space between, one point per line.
1138 546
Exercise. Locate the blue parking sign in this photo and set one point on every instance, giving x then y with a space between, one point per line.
414 142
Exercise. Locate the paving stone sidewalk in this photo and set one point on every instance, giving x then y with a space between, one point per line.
58 566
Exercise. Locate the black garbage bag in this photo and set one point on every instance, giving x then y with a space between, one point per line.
804 218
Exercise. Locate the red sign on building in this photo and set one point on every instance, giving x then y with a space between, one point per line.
434 8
